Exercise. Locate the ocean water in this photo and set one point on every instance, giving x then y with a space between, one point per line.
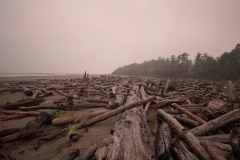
25 73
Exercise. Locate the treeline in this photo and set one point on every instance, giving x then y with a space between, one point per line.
225 67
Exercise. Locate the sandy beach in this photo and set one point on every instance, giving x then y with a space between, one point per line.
58 147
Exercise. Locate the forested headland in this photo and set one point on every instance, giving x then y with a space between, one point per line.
225 67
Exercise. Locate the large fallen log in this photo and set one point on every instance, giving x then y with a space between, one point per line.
70 119
143 95
191 140
114 112
216 123
23 102
29 113
96 100
131 138
186 121
235 141
165 103
188 113
225 138
182 152
163 141
212 150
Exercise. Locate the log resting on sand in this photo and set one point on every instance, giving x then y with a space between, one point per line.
131 138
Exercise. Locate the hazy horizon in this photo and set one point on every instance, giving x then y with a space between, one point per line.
100 36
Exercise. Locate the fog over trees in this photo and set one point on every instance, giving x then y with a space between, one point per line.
225 67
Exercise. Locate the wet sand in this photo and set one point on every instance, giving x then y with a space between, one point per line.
58 147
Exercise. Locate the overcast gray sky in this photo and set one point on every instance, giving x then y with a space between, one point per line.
101 35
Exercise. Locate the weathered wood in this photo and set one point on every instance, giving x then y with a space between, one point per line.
163 143
186 121
225 148
23 102
27 91
212 150
182 152
36 93
115 112
53 106
232 93
235 141
188 113
216 123
225 138
118 102
29 113
165 102
131 138
13 116
88 153
70 119
191 140
143 96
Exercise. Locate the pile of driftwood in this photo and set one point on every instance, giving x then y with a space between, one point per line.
195 119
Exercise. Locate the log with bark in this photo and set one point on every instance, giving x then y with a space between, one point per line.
225 138
191 140
131 138
71 119
216 123
114 112
23 102
182 152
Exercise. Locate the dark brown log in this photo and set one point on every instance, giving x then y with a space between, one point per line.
182 152
163 142
6 132
29 113
41 107
165 102
212 150
24 102
70 119
191 140
13 116
72 153
186 121
188 113
216 123
88 153
217 138
21 134
10 90
27 91
115 112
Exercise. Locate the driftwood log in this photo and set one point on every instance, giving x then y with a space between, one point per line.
190 139
216 123
131 138
24 102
